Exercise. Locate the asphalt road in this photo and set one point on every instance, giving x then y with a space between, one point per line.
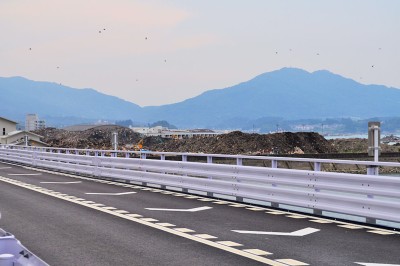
67 220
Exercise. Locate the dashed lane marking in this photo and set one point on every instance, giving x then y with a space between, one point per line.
258 252
166 224
6 167
276 212
221 202
321 221
134 215
292 262
149 219
106 208
255 209
61 183
205 236
181 210
230 243
121 211
111 194
381 232
184 230
296 216
238 205
350 226
174 231
205 199
27 174
192 197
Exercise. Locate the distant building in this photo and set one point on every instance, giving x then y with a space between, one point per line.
10 134
32 122
164 132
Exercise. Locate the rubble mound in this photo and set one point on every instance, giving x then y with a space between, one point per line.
233 143
242 143
94 138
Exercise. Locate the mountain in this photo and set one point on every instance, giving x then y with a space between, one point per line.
285 94
21 96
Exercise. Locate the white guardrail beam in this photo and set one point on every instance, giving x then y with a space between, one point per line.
372 197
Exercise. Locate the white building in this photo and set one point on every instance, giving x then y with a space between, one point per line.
164 132
32 122
10 134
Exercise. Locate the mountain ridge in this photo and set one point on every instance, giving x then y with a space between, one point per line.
289 93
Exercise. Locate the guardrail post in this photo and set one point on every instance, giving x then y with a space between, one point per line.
143 156
209 159
317 166
162 158
239 161
184 158
274 164
372 170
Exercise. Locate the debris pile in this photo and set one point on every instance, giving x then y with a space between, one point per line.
242 143
94 138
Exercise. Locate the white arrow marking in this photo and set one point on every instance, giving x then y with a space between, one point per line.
74 182
181 210
302 232
375 264
24 174
112 194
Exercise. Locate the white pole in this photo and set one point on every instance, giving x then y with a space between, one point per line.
376 144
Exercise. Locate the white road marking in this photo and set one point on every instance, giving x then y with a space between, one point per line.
111 194
132 218
205 236
72 182
302 232
23 174
257 252
380 232
230 243
181 210
5 167
375 264
292 262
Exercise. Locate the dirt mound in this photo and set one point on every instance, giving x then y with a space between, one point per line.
232 143
242 143
95 138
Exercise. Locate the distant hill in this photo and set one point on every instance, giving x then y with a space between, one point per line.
20 96
287 94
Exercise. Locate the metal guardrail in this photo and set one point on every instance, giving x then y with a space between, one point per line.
374 198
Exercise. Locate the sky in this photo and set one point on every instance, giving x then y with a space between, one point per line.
158 52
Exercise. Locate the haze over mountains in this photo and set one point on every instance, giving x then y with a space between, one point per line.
287 93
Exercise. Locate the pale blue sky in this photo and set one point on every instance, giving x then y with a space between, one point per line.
193 46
